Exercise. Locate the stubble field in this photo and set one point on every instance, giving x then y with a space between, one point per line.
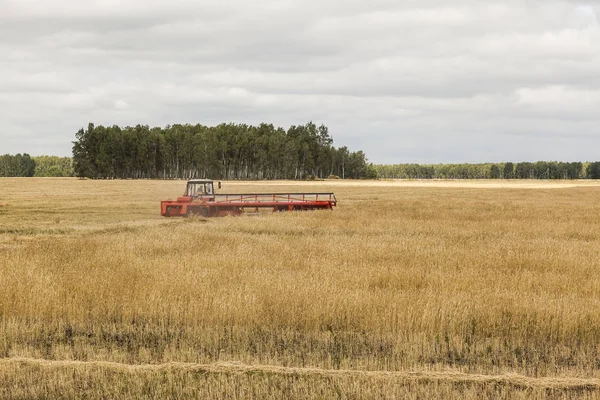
406 290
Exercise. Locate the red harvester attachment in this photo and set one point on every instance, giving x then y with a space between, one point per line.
200 199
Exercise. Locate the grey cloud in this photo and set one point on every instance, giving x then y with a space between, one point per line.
417 81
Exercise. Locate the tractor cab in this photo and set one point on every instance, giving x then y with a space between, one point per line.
200 188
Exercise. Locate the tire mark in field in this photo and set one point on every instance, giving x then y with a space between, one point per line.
567 383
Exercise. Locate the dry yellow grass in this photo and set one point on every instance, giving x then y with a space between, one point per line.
448 280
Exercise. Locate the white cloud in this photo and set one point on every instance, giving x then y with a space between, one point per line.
561 100
405 81
121 104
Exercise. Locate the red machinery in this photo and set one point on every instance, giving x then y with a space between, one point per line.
200 199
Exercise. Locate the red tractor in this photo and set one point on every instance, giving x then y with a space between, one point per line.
200 199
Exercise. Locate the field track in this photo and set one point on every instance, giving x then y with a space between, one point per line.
556 383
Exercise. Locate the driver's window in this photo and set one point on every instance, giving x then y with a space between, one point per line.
199 189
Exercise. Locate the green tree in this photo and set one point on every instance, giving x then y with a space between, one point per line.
231 151
495 172
509 171
53 166
593 170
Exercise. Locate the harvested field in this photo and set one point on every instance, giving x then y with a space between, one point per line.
408 289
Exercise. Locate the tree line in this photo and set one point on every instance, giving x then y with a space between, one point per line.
23 165
17 165
225 151
508 170
230 151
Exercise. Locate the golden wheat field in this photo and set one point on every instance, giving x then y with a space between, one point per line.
457 290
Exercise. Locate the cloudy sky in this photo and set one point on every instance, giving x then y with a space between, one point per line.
404 80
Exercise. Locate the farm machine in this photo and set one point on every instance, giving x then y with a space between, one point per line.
200 199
